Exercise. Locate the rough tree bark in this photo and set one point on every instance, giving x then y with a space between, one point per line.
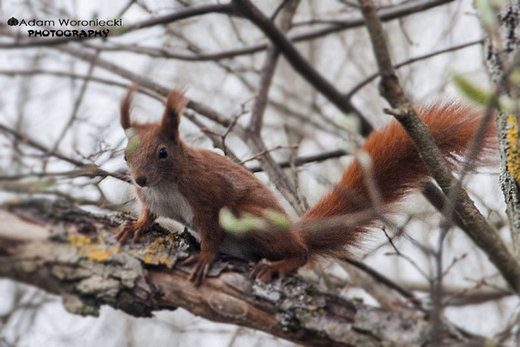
72 253
501 52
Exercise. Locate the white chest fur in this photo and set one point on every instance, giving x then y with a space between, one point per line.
167 201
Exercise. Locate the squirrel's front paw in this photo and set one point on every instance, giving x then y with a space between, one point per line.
128 230
202 263
265 270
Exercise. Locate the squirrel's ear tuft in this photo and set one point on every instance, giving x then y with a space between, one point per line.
126 106
175 104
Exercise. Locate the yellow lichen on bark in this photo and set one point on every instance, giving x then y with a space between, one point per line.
513 158
93 251
99 255
79 241
96 249
154 253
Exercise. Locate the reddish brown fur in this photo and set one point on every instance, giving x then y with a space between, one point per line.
199 183
396 168
126 105
208 181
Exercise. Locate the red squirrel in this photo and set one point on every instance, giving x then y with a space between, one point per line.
192 185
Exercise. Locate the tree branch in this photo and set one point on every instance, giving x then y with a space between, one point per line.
411 61
89 170
502 57
298 62
356 21
84 265
183 13
255 125
305 159
478 229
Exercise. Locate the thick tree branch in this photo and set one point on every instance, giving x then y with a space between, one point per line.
82 263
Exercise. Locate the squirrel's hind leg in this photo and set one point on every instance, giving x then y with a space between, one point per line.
266 269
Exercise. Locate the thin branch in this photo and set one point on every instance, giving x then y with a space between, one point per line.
385 280
216 139
182 13
298 62
268 69
266 77
35 144
387 14
258 156
96 171
72 75
75 108
144 82
306 159
411 61
480 231
81 172
35 189
276 174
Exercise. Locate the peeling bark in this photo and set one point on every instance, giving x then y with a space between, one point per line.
82 262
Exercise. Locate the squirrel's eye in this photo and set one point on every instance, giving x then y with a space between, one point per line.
162 153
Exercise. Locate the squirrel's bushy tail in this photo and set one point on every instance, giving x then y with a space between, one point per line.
396 168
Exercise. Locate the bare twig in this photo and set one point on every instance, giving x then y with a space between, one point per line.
75 109
305 159
182 13
258 156
386 14
71 75
298 62
96 171
385 280
142 81
480 231
270 62
411 61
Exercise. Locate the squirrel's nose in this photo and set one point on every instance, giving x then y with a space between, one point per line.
141 180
